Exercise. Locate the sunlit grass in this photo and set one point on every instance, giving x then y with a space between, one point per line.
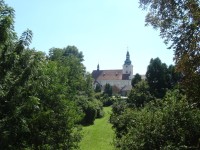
100 135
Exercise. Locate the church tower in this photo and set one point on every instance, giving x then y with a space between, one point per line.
128 67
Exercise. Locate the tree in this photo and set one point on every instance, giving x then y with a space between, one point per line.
55 53
108 89
137 78
173 77
139 95
168 124
79 83
6 25
73 51
98 88
35 112
179 25
156 77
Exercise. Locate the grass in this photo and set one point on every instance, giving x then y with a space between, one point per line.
100 135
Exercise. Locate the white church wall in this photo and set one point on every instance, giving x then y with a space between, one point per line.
119 83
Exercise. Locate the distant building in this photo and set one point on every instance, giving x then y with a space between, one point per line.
119 79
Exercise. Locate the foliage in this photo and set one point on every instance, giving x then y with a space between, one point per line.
37 95
108 101
169 124
67 52
35 112
6 25
98 88
92 109
98 136
139 95
79 83
179 24
137 78
173 77
161 78
118 119
156 77
108 89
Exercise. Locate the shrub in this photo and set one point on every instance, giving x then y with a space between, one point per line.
168 124
139 95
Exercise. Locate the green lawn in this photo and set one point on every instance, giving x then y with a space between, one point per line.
100 135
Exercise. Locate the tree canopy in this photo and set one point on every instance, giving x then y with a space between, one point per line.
179 24
137 78
156 77
43 99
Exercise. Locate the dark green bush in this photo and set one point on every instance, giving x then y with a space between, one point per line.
91 109
168 124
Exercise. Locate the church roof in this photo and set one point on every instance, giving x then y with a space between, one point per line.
107 74
127 61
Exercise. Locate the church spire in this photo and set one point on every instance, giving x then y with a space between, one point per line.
127 61
98 67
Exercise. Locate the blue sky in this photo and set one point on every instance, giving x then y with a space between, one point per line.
101 29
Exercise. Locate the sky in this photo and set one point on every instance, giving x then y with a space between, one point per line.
102 29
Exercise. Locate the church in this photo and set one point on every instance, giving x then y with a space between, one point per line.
119 79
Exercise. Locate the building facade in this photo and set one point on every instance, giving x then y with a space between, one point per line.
119 79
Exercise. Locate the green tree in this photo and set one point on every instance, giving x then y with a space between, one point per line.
173 77
179 25
139 95
35 112
55 53
108 89
79 83
72 59
137 78
169 124
98 88
156 77
73 51
6 25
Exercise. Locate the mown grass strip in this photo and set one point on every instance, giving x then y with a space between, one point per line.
100 135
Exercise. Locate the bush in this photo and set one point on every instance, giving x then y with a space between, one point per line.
168 124
139 95
105 99
91 109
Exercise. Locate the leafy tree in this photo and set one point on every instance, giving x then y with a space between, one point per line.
73 51
108 89
55 54
156 77
139 95
79 83
179 25
6 25
137 78
169 124
89 90
118 109
58 53
173 77
72 59
98 88
35 112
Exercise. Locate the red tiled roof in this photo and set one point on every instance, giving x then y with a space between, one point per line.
109 75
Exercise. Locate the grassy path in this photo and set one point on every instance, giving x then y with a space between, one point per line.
100 135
